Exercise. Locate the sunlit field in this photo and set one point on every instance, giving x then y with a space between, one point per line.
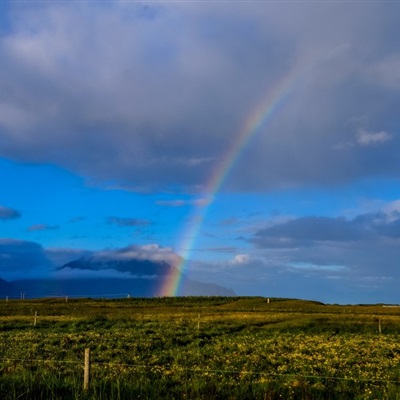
198 348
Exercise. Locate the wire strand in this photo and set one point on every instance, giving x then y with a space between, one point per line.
199 370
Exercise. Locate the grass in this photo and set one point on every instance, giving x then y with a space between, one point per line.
198 348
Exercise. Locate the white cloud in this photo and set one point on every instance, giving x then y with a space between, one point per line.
393 206
200 202
151 252
366 138
316 267
240 259
387 72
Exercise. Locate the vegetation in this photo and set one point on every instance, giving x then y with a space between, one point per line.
198 348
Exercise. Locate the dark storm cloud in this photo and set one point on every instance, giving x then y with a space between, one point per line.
8 213
353 258
308 230
127 221
139 104
22 257
345 271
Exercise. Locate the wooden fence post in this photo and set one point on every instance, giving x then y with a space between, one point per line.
35 319
87 370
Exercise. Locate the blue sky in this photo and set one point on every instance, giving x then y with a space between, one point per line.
114 116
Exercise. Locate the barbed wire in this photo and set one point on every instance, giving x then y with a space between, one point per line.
207 371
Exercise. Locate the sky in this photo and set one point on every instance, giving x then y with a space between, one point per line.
253 142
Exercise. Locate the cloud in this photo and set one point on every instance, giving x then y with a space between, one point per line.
392 208
127 221
241 259
316 267
228 221
172 203
302 231
151 252
8 213
220 249
30 259
306 231
366 138
200 202
76 219
149 262
22 257
328 271
118 108
387 72
61 256
42 227
353 259
76 273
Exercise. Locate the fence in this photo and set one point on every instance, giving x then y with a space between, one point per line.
86 363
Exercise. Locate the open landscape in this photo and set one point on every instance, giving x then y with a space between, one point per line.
198 348
199 200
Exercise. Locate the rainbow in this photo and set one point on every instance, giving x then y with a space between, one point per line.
258 118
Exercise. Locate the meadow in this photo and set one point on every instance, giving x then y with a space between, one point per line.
198 348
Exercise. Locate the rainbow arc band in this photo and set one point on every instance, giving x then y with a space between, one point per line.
257 119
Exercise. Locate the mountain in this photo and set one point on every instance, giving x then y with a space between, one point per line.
132 277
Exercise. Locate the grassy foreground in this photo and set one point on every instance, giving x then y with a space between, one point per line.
198 348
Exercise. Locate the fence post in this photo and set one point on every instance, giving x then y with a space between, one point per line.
87 370
35 319
379 326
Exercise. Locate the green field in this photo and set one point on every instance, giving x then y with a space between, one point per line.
198 348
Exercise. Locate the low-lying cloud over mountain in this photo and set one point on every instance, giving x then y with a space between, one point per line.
133 270
152 262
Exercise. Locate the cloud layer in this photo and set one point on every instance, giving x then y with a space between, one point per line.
127 221
151 96
8 213
19 258
22 258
